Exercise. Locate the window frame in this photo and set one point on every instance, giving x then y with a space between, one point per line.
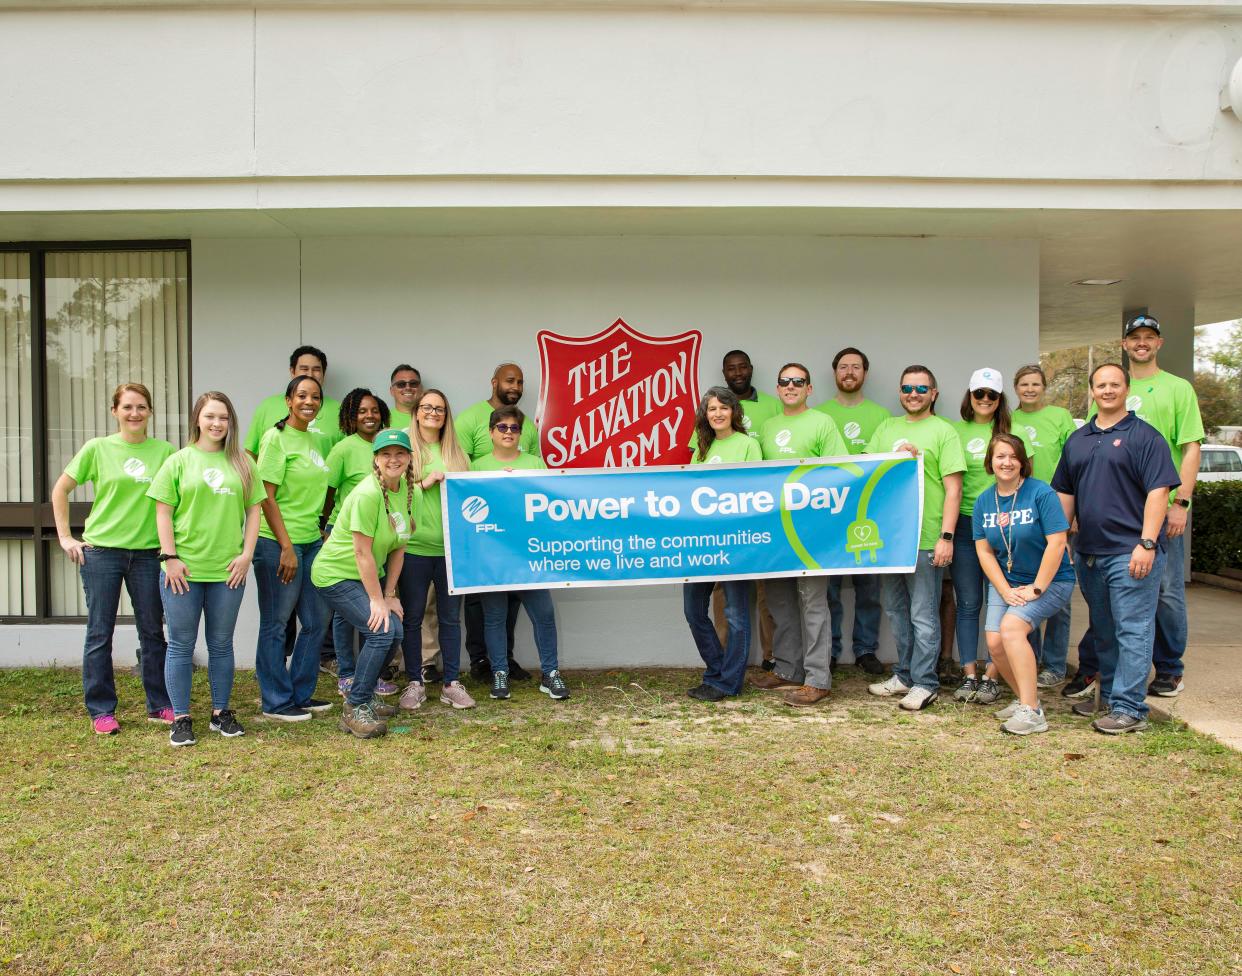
33 520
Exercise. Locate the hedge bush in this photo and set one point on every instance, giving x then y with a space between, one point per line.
1217 540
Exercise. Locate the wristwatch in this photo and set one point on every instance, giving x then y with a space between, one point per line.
1147 544
1184 502
165 556
946 536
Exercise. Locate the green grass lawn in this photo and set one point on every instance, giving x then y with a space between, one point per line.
629 830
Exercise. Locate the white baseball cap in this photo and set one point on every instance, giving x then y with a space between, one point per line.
986 379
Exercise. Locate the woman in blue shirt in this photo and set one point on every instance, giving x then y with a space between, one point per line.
1020 532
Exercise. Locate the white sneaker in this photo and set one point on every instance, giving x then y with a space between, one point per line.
886 689
917 699
1025 720
1007 711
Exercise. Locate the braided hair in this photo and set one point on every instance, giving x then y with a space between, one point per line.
352 404
291 389
409 490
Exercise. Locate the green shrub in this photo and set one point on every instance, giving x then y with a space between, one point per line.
1217 541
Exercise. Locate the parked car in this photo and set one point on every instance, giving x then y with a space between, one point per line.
1221 463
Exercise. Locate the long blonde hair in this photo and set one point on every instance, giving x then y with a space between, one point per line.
232 441
450 448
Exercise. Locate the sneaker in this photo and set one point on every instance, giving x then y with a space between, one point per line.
767 664
414 696
917 699
1025 721
500 685
454 693
431 674
1080 686
517 672
481 672
1048 679
771 681
226 724
1007 711
967 690
383 687
327 665
886 689
1167 686
707 693
164 716
1086 709
343 685
989 691
1118 723
382 709
805 697
869 663
553 685
105 725
290 714
316 705
361 722
182 733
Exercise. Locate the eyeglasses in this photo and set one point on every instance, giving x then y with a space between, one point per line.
915 388
798 382
985 394
429 409
508 428
407 384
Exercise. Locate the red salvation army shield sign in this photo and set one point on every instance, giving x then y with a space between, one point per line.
617 399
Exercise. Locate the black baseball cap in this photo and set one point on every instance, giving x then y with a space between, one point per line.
1143 321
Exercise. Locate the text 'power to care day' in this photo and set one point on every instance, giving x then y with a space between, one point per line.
703 500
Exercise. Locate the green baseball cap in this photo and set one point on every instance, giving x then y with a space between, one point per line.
393 437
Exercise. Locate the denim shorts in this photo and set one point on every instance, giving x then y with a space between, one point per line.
1034 613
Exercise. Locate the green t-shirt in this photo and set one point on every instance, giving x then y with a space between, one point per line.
1046 429
758 412
428 537
122 516
523 462
941 449
975 439
856 423
1169 404
733 449
209 509
290 459
363 512
476 438
401 420
349 461
809 434
324 426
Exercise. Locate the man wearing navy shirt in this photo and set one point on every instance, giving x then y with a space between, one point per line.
1115 474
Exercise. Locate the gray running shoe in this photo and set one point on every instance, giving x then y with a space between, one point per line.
967 690
1007 711
1048 679
1025 721
989 692
1118 723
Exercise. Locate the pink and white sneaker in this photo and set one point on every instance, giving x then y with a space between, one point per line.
414 696
106 725
164 716
455 694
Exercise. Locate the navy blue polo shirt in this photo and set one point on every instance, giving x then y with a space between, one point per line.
1110 474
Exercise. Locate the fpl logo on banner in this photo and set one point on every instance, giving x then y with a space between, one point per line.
617 399
474 510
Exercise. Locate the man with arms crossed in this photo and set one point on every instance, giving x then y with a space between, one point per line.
912 600
1115 475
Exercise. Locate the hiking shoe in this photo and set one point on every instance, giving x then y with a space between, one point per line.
1118 723
553 685
182 733
917 699
414 696
1167 686
500 685
226 724
767 664
1048 679
771 681
886 689
454 693
381 708
869 663
989 691
361 722
1080 686
1086 709
316 705
967 690
431 674
707 693
1025 721
517 672
383 687
290 714
105 725
343 685
164 716
805 697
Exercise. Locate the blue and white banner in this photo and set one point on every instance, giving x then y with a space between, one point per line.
608 527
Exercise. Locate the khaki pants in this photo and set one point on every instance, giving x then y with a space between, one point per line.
430 635
766 624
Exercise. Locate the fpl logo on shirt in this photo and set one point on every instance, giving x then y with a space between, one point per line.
400 525
136 470
1031 433
215 481
1134 403
975 446
852 430
783 437
474 510
897 443
317 460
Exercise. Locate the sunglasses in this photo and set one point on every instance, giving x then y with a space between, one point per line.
508 428
913 388
794 381
429 409
985 394
407 384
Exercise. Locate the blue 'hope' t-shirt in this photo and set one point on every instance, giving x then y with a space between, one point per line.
1026 520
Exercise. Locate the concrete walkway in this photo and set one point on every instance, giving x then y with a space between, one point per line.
1212 701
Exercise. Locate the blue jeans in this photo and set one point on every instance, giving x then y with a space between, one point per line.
969 592
1123 621
538 604
726 666
103 571
417 574
912 605
866 636
1052 646
1171 623
349 600
342 639
282 686
218 605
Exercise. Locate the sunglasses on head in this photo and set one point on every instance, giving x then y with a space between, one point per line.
915 388
795 381
508 428
985 394
407 384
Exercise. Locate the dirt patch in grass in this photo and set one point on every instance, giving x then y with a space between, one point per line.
628 830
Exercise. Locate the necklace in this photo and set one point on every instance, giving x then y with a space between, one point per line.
1005 521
